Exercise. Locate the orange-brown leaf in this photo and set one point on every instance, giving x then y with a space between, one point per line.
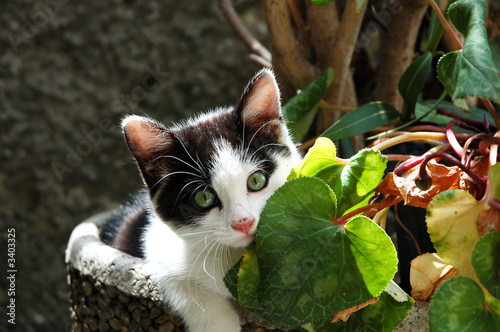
488 221
344 314
443 178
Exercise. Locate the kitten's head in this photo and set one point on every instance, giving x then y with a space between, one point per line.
213 174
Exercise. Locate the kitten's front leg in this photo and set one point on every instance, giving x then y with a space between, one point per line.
204 310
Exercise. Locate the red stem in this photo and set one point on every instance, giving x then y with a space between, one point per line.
471 122
407 165
423 172
369 210
489 106
453 139
495 204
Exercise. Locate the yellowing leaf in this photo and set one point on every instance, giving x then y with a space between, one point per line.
427 271
451 221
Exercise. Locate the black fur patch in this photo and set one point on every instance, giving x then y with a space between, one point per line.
125 230
195 145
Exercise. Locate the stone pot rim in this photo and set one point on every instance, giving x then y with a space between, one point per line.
89 255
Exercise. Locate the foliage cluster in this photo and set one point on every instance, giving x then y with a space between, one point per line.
322 259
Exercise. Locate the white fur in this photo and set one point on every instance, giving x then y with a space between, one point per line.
191 261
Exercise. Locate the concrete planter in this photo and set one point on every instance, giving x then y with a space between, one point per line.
113 291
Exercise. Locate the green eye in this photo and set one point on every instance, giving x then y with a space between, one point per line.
257 181
205 198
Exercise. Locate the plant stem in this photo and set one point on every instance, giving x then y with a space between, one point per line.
443 95
407 137
446 26
239 27
471 122
369 210
324 104
491 109
406 230
494 204
454 161
453 139
457 44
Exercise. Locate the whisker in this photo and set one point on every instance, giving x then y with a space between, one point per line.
194 265
197 233
200 166
173 173
255 134
179 159
265 146
180 192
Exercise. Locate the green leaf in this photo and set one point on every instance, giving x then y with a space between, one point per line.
352 180
494 177
412 82
384 315
435 33
458 305
477 113
362 120
358 180
249 293
310 266
495 51
486 262
321 161
470 72
231 279
300 111
451 222
321 2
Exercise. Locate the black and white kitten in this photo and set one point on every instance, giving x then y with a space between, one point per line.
208 180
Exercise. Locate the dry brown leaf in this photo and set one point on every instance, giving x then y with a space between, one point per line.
479 166
443 178
488 221
427 272
344 314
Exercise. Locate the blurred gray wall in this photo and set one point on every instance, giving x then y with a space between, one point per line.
69 71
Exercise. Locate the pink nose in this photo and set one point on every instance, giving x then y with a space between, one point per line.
243 225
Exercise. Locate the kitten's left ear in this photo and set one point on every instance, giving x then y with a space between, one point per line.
260 103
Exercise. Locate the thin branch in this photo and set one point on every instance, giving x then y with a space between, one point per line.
345 42
457 44
342 108
322 39
406 229
408 137
398 50
259 61
285 48
250 41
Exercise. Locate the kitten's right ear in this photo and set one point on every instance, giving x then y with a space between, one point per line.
147 139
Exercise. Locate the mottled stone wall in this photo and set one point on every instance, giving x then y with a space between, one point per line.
69 71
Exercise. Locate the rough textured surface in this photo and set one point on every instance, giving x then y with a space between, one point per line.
69 71
110 290
108 287
417 319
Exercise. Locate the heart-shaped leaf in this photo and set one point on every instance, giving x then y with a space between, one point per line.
459 305
486 262
470 72
312 267
352 180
